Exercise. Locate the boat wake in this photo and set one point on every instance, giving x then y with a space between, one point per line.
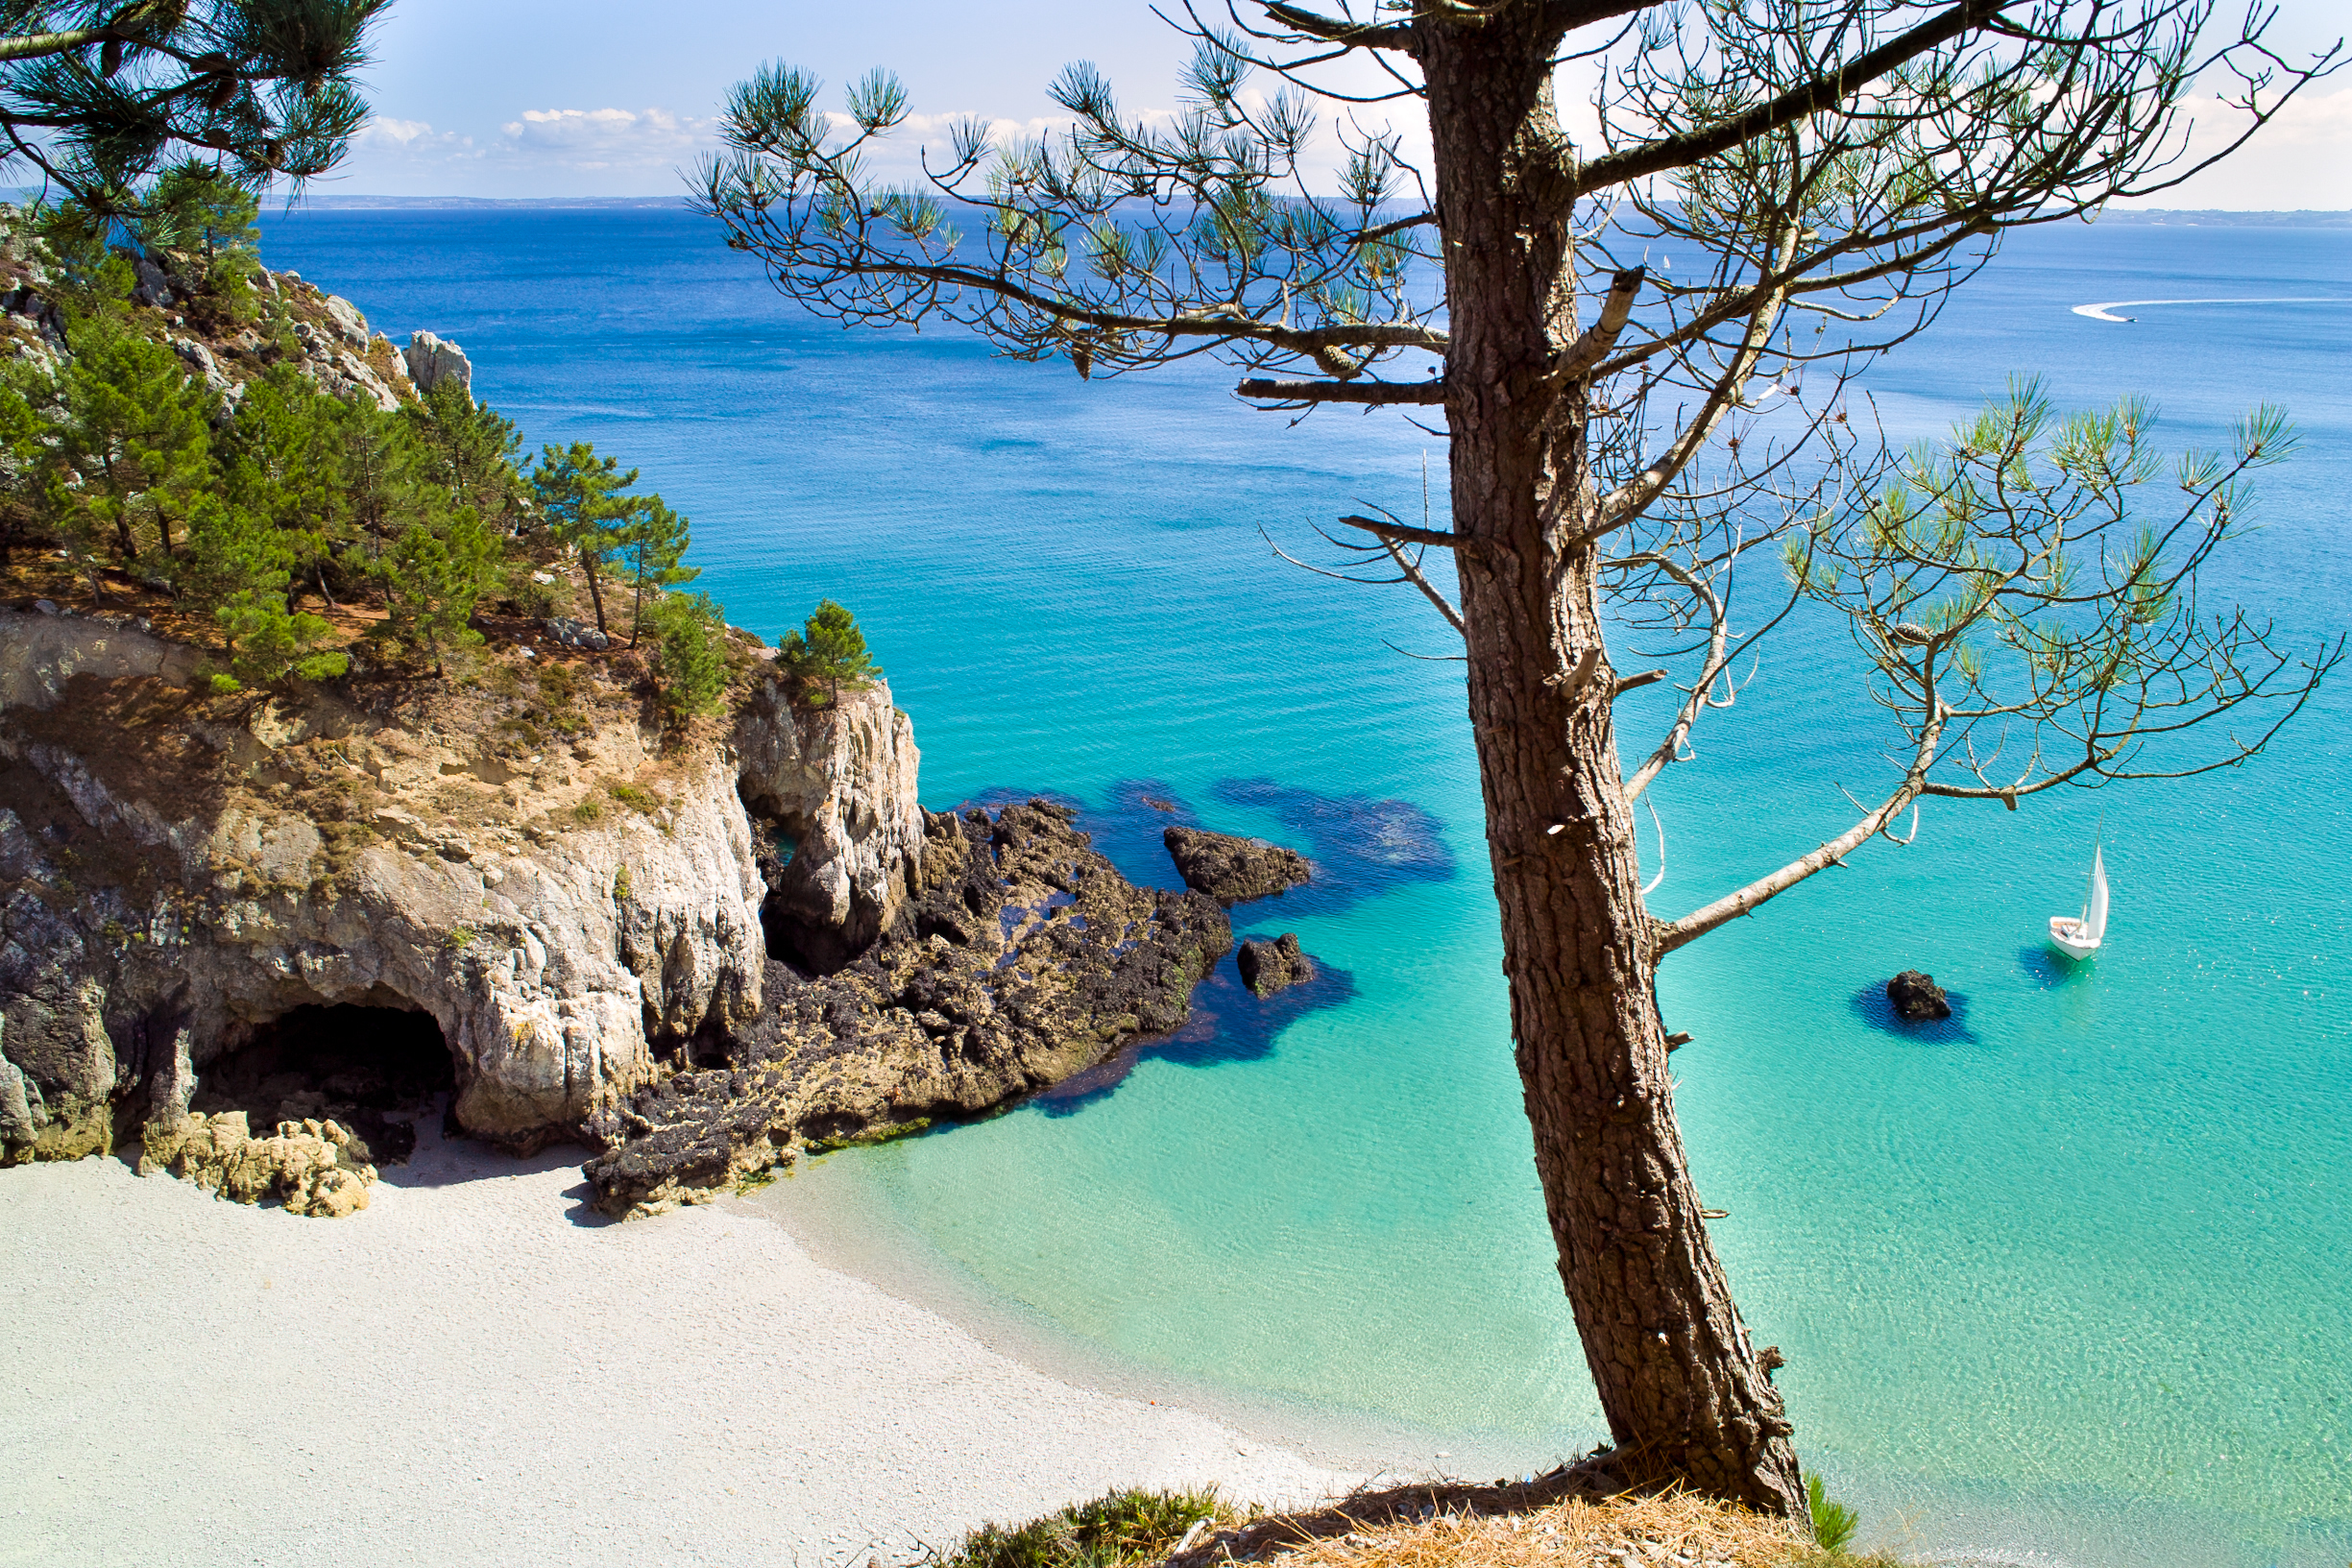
2106 312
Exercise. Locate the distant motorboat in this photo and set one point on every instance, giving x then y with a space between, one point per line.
2080 937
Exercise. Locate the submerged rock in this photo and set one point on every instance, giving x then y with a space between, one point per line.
1230 869
1024 958
1268 967
1917 998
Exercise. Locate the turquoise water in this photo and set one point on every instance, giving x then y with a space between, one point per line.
2070 1275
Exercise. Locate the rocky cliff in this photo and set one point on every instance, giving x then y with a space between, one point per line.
520 861
221 915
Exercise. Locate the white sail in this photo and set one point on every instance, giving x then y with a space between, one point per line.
2095 912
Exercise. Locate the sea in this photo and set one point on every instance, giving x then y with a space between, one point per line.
2067 1280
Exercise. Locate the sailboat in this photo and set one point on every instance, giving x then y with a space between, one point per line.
2079 938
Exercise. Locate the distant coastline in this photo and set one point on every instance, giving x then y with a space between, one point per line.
359 201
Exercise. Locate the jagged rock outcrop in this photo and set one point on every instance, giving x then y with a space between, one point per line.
1268 967
432 360
1232 870
564 899
313 1167
1024 958
1917 999
330 340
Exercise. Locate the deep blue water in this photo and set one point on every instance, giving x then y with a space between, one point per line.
2071 1274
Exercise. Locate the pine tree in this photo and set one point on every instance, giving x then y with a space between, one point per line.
690 634
383 484
198 224
134 444
580 497
288 463
830 648
654 545
433 575
470 451
23 388
239 568
96 94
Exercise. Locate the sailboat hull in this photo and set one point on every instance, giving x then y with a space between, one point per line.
2067 936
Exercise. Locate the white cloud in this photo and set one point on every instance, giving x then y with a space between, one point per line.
2301 161
605 138
414 139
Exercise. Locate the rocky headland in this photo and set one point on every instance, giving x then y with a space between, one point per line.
249 933
697 957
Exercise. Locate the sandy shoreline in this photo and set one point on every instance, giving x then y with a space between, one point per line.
476 1370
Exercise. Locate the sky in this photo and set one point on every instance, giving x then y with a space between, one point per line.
573 98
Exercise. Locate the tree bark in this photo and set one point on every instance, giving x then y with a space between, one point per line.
595 590
1688 1398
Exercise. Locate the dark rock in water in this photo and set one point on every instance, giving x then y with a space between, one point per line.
1230 869
1917 998
1023 958
1268 967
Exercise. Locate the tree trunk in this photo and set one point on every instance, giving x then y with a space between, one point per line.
1687 1396
595 593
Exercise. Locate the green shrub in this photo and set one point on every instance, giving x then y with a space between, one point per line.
643 801
1117 1528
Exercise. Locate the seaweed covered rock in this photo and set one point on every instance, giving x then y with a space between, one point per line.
1268 967
1230 869
1023 958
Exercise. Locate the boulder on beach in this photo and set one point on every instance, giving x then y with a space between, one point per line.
1268 967
1917 998
1230 869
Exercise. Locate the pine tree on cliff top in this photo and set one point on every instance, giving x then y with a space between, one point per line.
830 648
580 497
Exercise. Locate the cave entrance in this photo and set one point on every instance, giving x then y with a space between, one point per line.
374 1069
810 946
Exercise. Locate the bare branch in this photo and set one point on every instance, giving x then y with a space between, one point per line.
1290 393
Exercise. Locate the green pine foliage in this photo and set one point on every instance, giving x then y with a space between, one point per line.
580 501
198 225
273 516
1834 1523
690 655
830 648
652 547
132 447
239 569
471 454
435 574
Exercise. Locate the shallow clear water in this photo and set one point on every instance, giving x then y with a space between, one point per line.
2071 1274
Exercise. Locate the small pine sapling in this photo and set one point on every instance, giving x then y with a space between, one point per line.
830 648
691 652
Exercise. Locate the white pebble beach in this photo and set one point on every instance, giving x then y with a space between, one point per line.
470 1371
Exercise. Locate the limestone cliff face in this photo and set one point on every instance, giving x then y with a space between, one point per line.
562 896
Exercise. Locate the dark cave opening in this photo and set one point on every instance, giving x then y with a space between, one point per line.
373 1068
811 947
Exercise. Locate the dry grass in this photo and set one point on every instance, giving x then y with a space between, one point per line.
1570 1518
1675 1531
